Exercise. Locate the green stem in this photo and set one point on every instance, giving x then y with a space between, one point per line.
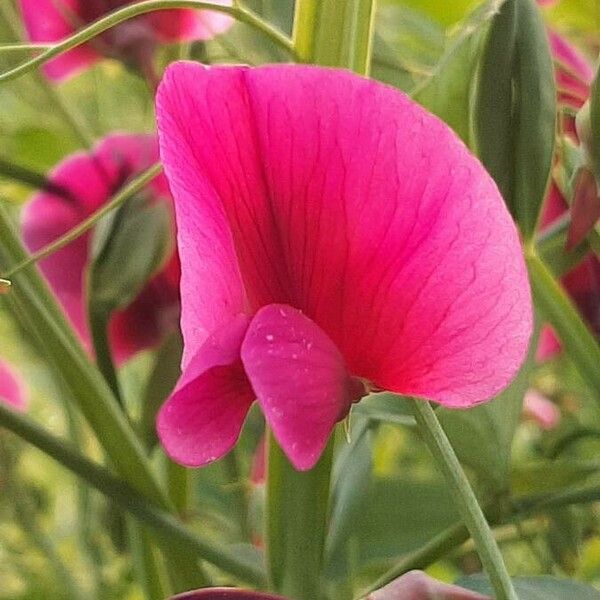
238 491
34 302
578 341
297 509
24 175
465 499
178 484
99 319
165 526
129 190
129 12
145 561
6 48
335 33
184 571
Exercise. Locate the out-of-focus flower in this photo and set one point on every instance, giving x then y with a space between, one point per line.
416 585
12 388
54 20
334 238
540 409
87 182
226 594
574 76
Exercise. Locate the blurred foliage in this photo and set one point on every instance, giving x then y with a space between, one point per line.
56 540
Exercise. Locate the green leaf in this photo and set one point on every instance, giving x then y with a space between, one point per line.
546 476
402 514
565 537
297 509
159 385
128 246
442 11
352 477
407 46
386 407
482 436
536 588
515 111
447 92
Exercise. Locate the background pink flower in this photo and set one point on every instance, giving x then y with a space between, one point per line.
88 181
54 20
334 237
12 388
574 76
540 409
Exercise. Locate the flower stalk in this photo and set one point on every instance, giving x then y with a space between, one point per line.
465 499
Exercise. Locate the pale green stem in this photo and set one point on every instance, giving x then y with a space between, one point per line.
465 499
238 12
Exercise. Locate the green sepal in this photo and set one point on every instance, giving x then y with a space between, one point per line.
515 109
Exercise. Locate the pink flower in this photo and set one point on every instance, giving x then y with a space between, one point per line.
540 409
226 594
83 183
574 76
581 283
12 389
54 20
416 585
334 238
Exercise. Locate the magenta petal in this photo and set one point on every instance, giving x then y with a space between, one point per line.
341 197
12 390
202 419
300 380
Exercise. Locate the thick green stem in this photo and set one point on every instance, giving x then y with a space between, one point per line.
238 492
335 33
164 525
297 509
465 499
